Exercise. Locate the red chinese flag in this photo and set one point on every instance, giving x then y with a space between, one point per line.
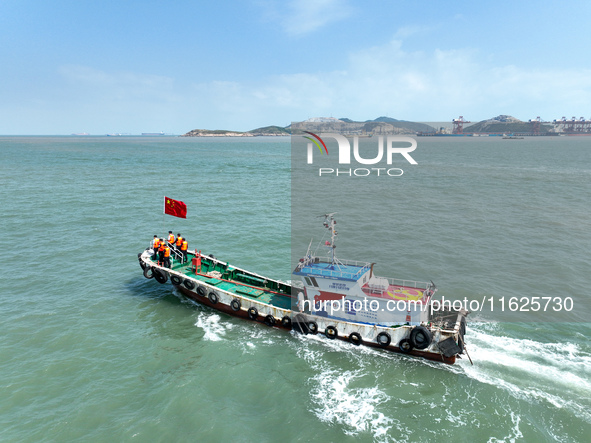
175 207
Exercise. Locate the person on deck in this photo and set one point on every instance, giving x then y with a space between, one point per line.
155 245
178 242
184 247
166 261
161 252
170 237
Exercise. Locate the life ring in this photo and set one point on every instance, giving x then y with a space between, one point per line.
213 297
355 338
383 339
235 305
175 280
420 337
148 272
201 291
331 332
253 313
286 321
405 345
188 284
312 327
270 320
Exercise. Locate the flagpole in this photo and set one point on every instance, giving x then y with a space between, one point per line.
163 214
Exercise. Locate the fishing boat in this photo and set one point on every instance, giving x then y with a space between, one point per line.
340 299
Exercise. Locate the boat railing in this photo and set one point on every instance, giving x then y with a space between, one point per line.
336 271
178 255
409 283
175 255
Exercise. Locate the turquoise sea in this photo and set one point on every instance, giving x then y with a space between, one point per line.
92 351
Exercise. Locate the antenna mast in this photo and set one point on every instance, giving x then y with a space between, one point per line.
329 223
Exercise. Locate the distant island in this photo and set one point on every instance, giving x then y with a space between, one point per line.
266 131
500 125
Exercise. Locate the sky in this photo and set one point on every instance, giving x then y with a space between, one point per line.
133 66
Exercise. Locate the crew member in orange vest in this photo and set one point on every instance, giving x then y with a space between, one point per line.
155 245
166 261
170 237
161 252
184 247
178 242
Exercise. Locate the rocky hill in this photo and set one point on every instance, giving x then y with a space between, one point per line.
271 130
216 133
505 124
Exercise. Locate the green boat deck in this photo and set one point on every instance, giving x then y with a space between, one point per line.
237 281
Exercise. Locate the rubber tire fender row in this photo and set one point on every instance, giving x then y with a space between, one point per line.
148 272
189 284
420 337
355 338
236 305
160 276
331 332
384 339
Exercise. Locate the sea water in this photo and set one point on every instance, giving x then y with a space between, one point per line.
93 351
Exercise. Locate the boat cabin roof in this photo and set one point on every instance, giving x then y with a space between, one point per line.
340 271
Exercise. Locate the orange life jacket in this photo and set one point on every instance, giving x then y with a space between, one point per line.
179 240
156 243
166 252
171 238
184 246
161 248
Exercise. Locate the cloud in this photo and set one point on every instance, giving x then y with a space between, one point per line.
387 80
119 85
300 17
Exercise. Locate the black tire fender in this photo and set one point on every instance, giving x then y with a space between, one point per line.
201 291
355 338
213 297
148 272
420 337
253 313
175 280
235 304
312 327
405 345
270 320
286 321
188 284
331 332
384 339
142 264
160 276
